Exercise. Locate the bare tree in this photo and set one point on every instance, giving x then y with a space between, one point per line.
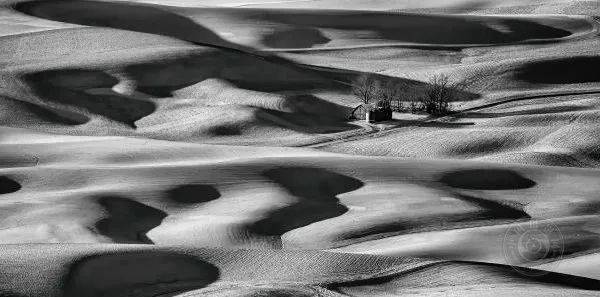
439 93
367 88
436 99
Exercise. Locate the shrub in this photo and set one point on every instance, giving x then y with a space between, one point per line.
439 93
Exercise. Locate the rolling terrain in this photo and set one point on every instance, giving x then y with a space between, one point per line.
203 148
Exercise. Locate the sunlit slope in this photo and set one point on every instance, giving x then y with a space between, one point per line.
145 191
193 81
83 270
142 149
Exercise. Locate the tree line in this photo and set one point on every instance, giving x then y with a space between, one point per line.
402 96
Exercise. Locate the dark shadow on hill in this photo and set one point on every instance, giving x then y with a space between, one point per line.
314 191
126 16
490 144
8 185
486 209
243 66
407 225
561 71
470 274
427 123
418 28
139 18
307 114
238 64
575 242
537 111
302 123
486 179
127 221
586 208
161 77
415 28
271 290
313 105
493 209
138 273
225 130
16 159
20 113
295 38
193 193
69 87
